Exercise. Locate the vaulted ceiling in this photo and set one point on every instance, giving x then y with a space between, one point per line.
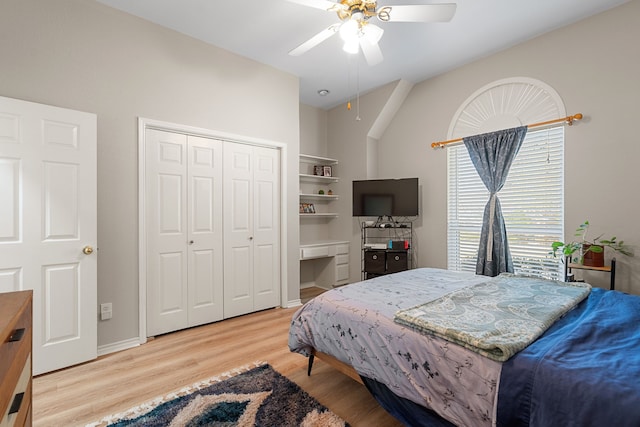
266 30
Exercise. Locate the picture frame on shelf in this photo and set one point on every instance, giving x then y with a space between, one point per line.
326 171
318 170
307 208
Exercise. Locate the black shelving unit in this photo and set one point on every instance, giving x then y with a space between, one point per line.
386 246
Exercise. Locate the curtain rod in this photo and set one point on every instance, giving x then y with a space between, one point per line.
568 120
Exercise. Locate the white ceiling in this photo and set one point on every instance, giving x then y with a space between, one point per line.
266 30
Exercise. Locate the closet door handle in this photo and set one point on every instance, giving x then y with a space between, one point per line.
250 237
191 242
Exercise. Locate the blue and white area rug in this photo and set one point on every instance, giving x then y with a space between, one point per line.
246 397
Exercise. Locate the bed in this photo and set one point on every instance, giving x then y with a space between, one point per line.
583 370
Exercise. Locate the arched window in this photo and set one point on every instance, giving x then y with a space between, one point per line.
533 197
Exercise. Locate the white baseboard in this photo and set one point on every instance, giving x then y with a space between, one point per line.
307 285
118 346
294 303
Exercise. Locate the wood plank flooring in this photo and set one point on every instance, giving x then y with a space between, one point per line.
311 292
113 383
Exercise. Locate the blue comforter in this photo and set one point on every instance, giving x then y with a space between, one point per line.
584 371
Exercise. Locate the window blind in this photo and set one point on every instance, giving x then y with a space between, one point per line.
532 202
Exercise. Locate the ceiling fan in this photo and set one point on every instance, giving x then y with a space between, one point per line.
356 30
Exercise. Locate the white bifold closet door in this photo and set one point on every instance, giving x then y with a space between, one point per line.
251 229
183 206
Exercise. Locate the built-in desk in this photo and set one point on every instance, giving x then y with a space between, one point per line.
324 263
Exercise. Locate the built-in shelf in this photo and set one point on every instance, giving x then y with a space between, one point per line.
323 263
318 196
317 159
318 178
319 215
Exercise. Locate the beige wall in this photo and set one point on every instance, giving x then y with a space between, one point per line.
594 65
347 141
313 131
82 55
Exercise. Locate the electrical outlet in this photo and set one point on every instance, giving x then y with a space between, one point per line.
106 311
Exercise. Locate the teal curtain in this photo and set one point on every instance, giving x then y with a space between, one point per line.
492 155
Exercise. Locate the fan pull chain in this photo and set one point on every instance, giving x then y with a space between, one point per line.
349 80
358 91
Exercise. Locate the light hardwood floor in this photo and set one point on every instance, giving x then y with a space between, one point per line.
116 382
311 292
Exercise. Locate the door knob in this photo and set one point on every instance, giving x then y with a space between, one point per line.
87 250
191 242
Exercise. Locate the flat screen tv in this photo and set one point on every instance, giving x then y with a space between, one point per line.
385 197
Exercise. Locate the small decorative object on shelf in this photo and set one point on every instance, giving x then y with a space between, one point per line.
321 192
330 193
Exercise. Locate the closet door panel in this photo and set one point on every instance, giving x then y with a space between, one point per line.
266 228
202 291
265 274
238 234
205 236
166 222
170 296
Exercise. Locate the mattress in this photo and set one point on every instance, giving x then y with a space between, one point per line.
355 325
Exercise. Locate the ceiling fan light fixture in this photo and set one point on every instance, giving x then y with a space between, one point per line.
349 30
355 28
351 46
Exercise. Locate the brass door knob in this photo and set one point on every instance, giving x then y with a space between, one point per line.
87 250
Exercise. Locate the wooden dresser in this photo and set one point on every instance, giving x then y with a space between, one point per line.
15 358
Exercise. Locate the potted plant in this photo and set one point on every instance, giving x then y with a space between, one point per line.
591 251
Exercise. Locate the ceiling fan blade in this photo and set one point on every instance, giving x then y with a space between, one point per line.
371 51
418 13
321 4
315 40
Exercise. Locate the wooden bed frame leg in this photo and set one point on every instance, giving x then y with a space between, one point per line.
311 357
335 363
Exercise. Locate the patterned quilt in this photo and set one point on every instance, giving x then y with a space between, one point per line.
496 318
355 324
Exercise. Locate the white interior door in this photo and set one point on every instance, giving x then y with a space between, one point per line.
183 230
48 226
251 238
